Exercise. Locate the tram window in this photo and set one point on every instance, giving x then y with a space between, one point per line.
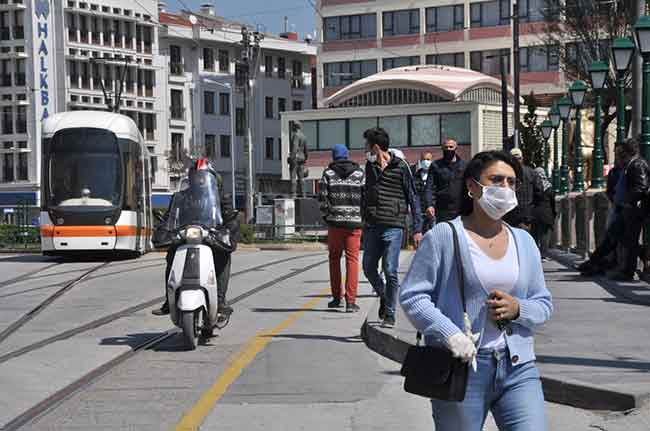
83 175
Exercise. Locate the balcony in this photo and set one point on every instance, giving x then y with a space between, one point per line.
176 69
297 83
148 92
148 48
19 33
84 36
72 34
177 113
97 40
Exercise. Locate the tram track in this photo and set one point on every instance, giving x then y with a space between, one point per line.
127 312
27 275
88 379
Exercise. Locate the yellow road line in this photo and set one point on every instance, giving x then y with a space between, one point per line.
193 419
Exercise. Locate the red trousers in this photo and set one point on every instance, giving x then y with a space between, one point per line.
348 240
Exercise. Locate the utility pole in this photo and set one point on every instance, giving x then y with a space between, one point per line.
515 53
248 68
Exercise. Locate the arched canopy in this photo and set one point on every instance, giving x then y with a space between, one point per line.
420 84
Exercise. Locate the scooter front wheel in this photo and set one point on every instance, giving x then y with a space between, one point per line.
190 328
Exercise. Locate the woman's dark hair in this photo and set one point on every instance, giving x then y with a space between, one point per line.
475 168
377 136
630 147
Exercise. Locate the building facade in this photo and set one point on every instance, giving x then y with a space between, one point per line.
174 79
56 56
201 68
361 37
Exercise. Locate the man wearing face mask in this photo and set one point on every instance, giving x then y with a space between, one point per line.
421 173
390 194
442 197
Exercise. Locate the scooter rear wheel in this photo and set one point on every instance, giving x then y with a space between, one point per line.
190 329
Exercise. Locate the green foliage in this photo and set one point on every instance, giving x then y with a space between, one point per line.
532 140
11 235
247 232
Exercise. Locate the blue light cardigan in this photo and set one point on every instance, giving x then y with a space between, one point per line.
430 295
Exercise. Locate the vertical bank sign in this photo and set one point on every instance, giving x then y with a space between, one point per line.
41 47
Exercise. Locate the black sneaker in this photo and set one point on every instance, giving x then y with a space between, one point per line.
223 314
389 322
351 307
335 303
162 311
382 309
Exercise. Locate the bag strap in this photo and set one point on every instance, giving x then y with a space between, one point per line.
459 271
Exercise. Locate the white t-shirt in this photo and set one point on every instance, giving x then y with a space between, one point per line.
495 274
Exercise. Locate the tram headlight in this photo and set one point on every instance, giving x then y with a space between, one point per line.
60 221
108 220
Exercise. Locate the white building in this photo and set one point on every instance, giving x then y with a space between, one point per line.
54 56
201 63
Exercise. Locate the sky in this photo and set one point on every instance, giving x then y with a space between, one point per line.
268 13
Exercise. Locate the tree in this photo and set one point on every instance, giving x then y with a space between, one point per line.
532 140
582 32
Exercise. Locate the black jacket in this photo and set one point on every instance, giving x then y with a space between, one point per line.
420 186
612 179
389 194
444 188
529 195
637 182
341 194
544 212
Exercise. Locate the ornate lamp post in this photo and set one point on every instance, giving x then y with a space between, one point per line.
622 50
598 74
578 91
564 106
547 129
642 31
554 115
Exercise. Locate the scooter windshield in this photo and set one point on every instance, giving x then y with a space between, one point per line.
197 204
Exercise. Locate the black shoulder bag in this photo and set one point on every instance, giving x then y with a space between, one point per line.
433 372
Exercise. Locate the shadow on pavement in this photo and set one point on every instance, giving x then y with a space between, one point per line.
621 362
131 340
329 296
351 339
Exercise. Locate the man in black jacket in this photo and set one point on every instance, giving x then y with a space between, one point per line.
341 197
389 196
530 194
635 184
442 197
420 176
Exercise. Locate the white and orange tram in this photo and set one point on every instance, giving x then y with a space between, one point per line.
96 185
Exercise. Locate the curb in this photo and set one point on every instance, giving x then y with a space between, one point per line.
557 390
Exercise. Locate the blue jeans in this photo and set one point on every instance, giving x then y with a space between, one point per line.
385 243
512 393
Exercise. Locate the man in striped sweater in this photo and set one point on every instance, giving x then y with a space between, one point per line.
341 197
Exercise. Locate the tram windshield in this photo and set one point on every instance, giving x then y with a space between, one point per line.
85 169
198 203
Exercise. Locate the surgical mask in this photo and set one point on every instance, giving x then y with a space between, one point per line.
371 157
425 164
448 155
497 201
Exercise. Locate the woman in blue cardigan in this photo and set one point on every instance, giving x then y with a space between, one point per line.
506 300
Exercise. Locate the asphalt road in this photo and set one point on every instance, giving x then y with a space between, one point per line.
285 362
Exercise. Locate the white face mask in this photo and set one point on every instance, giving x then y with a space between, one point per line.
371 157
425 164
497 201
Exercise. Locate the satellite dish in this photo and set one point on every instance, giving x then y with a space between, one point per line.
193 20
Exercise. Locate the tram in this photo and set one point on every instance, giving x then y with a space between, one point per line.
96 185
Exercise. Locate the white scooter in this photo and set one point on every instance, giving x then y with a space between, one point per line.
192 284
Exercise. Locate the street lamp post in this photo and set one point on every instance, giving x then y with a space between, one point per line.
564 106
577 91
598 74
642 31
554 115
622 50
547 129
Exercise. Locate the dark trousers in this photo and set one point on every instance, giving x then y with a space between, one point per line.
613 237
221 266
542 235
625 231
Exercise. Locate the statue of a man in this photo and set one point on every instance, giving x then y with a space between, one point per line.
298 155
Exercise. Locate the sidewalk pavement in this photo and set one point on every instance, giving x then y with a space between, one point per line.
593 354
